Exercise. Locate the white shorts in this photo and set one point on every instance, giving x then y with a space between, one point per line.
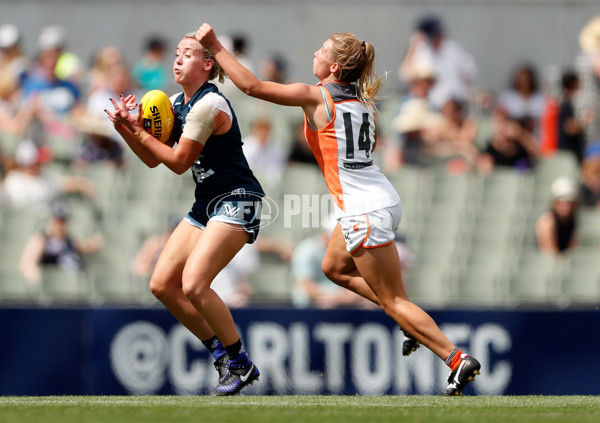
371 230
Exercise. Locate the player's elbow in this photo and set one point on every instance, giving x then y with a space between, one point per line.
151 163
175 167
251 87
179 169
248 90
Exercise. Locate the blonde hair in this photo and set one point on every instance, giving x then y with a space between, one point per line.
216 71
357 60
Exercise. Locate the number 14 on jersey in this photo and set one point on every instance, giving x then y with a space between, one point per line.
361 141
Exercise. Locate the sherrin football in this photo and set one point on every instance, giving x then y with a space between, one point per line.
157 115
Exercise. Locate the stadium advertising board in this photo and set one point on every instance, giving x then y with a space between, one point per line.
343 352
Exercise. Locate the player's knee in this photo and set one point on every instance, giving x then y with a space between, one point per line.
194 287
159 287
388 306
335 270
330 270
191 290
164 282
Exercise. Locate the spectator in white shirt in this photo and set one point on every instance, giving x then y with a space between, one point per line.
524 99
454 67
28 185
264 156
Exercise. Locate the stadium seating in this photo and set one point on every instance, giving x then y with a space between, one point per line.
409 181
106 180
535 278
428 286
588 234
472 235
15 228
60 285
580 281
302 205
13 286
481 284
272 283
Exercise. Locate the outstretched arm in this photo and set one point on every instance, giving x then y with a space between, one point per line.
302 95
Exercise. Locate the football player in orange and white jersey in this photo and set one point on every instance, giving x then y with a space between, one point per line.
340 128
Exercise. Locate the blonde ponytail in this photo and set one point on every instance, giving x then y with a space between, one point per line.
357 60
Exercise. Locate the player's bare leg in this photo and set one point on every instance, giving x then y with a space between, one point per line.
379 267
338 265
165 283
220 242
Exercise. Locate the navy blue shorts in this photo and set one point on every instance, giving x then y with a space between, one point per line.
237 207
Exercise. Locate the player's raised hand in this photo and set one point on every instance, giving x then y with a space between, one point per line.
206 36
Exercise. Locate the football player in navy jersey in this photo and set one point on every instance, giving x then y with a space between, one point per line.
224 216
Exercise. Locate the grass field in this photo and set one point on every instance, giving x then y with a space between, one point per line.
292 409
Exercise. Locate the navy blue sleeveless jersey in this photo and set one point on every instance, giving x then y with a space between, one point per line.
221 168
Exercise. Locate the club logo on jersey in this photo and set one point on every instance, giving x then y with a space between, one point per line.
231 210
199 173
251 210
347 236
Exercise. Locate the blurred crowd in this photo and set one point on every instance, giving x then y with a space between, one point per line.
441 117
442 120
53 125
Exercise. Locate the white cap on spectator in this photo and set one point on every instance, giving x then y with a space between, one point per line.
564 188
9 35
52 37
27 153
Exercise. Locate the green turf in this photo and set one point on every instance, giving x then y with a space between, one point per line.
292 409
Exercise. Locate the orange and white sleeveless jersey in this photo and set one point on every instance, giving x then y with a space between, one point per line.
343 150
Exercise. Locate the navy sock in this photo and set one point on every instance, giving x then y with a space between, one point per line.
215 347
237 355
